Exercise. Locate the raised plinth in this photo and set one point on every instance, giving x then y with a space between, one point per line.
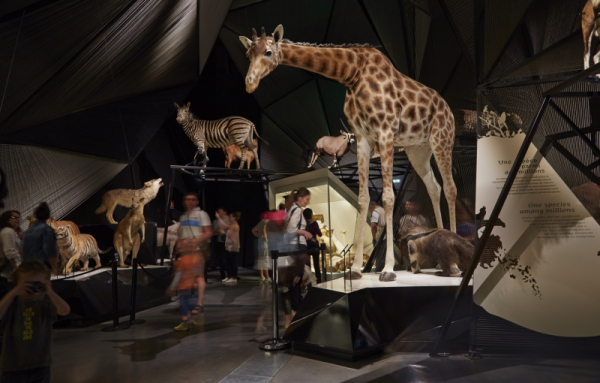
352 321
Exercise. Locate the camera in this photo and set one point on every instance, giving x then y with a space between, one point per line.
37 287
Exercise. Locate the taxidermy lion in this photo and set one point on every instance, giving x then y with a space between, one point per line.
442 246
127 237
79 247
123 197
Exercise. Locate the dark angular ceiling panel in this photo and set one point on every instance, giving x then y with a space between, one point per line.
422 26
118 130
441 55
159 49
211 14
350 25
462 86
280 82
564 18
36 46
303 21
390 25
501 20
283 153
300 115
565 56
462 16
333 95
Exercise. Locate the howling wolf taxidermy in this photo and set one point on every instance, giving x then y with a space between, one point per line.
127 237
441 246
123 197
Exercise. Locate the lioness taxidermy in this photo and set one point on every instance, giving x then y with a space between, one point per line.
123 197
127 237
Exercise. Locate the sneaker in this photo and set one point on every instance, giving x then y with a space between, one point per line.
263 279
182 327
225 280
192 323
232 280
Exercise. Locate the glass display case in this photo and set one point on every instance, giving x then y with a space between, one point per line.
335 207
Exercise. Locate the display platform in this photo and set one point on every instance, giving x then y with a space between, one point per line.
90 293
350 322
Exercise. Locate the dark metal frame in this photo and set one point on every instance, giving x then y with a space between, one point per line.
211 174
557 91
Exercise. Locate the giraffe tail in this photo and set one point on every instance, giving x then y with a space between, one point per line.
256 132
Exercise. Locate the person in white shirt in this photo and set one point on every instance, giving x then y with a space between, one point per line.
10 242
377 221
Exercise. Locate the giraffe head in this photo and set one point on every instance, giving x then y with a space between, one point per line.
264 55
183 113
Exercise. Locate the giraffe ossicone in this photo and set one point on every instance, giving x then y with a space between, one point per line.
385 109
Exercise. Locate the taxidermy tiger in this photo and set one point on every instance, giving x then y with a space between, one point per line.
127 237
78 247
123 197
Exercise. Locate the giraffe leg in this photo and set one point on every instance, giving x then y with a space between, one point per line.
386 148
419 157
363 150
443 158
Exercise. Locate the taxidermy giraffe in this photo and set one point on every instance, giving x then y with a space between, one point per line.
385 110
590 26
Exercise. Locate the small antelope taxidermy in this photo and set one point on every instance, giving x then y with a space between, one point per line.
334 146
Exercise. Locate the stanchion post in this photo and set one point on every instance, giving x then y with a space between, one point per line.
323 262
275 344
134 270
115 297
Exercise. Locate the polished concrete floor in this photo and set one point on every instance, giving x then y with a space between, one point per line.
224 348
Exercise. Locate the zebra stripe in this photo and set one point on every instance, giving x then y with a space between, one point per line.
227 131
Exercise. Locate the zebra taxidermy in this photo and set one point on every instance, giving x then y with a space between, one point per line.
227 131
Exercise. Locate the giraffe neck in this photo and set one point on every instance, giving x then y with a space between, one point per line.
337 63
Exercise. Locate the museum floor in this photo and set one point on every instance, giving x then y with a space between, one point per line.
224 348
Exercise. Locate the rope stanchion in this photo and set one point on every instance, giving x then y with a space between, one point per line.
276 343
153 276
115 297
323 249
132 320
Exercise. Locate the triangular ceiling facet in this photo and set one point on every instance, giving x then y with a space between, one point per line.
300 114
212 14
501 19
127 58
118 130
387 18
